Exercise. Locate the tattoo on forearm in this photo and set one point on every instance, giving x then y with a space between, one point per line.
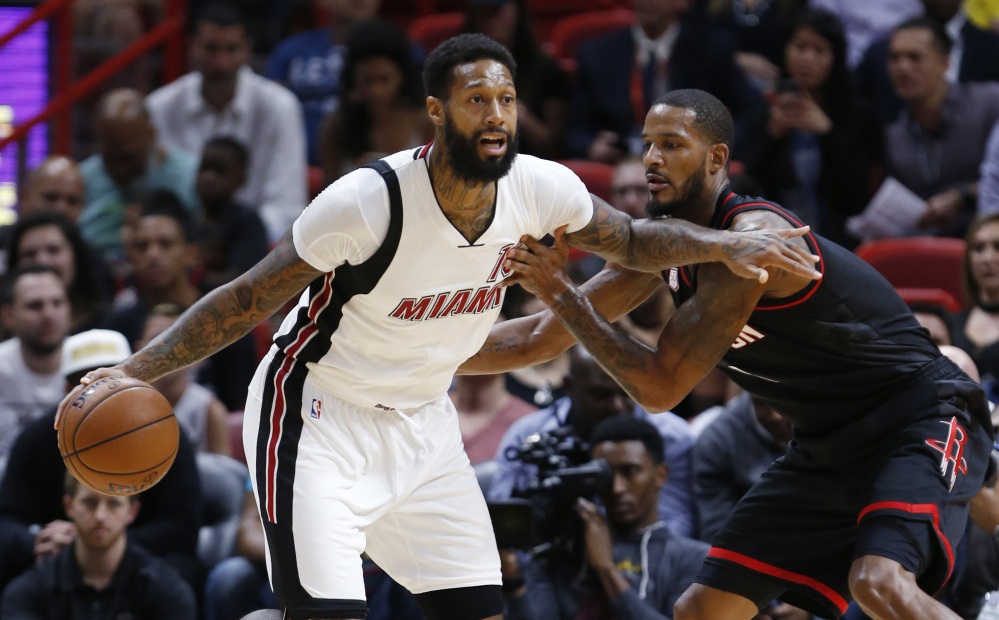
226 314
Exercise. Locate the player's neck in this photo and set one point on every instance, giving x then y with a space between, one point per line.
700 211
453 191
97 565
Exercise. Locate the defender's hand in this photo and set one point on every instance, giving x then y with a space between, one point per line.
749 253
86 380
599 546
540 269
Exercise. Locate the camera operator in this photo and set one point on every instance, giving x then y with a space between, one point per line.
591 397
633 567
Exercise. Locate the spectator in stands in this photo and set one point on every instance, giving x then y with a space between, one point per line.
485 411
811 153
48 238
35 310
55 185
629 189
202 416
382 110
974 57
635 567
758 28
730 456
102 574
936 320
164 253
988 186
32 517
866 22
592 397
542 88
620 74
937 144
225 97
977 330
232 237
311 64
129 163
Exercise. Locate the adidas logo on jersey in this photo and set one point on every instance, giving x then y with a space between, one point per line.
748 335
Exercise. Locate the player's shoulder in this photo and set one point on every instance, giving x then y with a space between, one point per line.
738 211
533 173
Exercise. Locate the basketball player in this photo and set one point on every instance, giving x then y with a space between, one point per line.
891 439
352 442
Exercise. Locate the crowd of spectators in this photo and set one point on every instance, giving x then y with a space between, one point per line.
836 102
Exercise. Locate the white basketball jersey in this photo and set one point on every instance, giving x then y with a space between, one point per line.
406 298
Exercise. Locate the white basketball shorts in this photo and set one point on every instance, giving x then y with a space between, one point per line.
333 480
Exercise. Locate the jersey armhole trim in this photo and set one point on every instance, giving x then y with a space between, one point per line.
805 293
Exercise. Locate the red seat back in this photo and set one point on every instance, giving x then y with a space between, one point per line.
432 30
919 262
930 297
596 177
570 31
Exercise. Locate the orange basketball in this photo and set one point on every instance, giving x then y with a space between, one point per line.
118 436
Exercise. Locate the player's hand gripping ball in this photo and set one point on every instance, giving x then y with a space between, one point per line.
118 435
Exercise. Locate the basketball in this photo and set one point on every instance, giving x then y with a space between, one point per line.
118 436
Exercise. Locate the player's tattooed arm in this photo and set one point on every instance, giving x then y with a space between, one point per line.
693 341
540 337
657 244
223 316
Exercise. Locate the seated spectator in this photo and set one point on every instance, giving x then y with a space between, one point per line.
129 163
55 185
48 238
620 74
163 254
866 22
758 29
977 330
988 186
936 320
485 411
592 397
35 311
730 456
974 57
636 568
225 97
202 416
232 237
382 110
102 574
542 88
310 64
811 153
539 385
937 144
32 516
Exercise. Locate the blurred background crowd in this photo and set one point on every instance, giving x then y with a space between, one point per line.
875 121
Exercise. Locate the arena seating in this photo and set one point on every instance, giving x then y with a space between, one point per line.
930 297
919 262
573 30
431 30
597 177
223 484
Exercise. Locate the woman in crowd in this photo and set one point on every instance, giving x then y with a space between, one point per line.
811 154
382 109
977 329
542 88
48 238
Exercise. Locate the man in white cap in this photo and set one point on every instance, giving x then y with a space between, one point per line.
33 523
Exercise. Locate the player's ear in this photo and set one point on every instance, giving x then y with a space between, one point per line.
717 157
435 107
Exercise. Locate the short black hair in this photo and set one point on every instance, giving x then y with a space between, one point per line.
231 144
438 70
221 14
166 204
630 428
941 40
712 118
937 311
10 281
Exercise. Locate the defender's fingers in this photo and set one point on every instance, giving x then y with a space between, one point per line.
797 249
533 244
561 245
796 267
791 233
520 256
799 255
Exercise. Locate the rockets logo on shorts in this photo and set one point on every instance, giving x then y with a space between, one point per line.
674 279
748 335
952 451
317 408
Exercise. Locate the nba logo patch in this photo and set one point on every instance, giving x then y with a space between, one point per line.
317 408
674 279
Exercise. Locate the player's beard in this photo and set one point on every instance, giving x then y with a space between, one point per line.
463 154
689 194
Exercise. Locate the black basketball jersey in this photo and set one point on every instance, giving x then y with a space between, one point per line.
829 354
